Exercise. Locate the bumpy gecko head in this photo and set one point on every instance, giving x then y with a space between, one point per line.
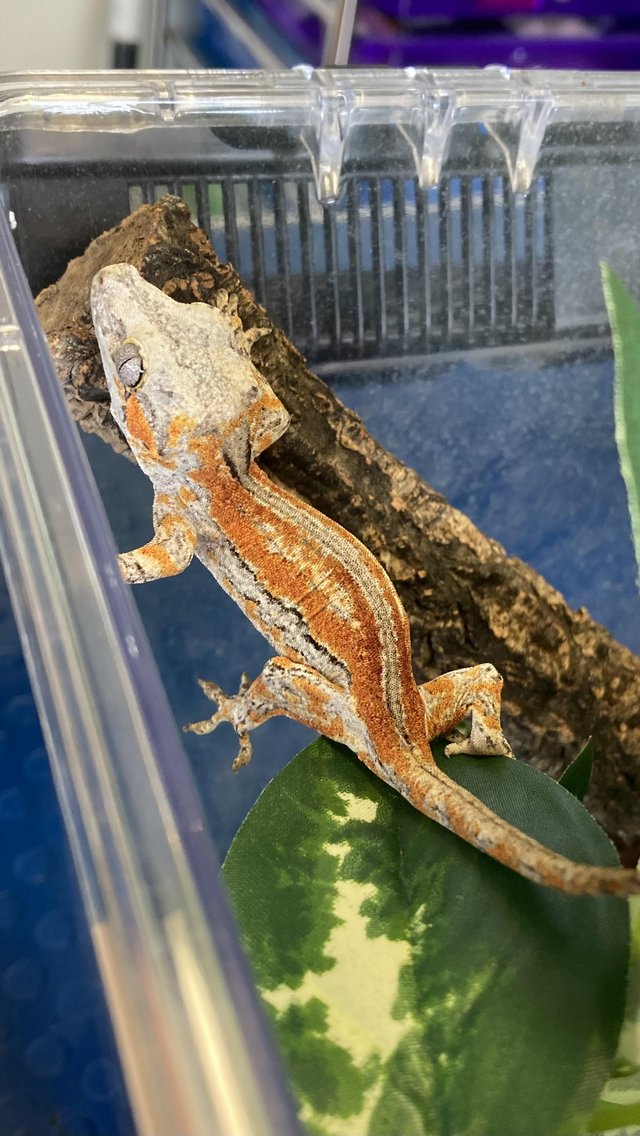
178 372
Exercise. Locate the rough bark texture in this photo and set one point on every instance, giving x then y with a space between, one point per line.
565 676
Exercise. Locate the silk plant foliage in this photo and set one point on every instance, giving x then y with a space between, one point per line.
415 985
618 1110
624 318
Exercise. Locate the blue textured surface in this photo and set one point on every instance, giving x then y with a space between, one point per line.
59 1073
526 450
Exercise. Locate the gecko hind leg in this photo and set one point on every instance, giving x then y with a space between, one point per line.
227 712
283 687
452 697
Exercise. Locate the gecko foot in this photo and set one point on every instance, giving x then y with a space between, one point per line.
484 740
230 709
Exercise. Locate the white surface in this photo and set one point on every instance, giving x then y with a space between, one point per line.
127 20
65 34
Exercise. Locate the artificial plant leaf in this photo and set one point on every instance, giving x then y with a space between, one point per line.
615 1118
416 986
577 775
618 1110
624 318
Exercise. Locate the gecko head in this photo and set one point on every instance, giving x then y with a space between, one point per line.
177 372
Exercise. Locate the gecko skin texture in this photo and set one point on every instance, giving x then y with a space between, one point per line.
197 414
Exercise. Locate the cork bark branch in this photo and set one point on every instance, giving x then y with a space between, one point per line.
468 601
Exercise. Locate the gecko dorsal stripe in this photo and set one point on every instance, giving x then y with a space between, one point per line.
370 582
301 569
199 415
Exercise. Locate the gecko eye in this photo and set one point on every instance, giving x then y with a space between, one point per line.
128 363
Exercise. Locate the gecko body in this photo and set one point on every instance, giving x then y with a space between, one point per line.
197 415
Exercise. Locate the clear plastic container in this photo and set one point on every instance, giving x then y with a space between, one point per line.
430 240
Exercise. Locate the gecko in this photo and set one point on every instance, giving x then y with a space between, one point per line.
197 414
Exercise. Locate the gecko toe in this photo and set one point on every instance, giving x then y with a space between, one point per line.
206 726
485 746
243 756
211 689
460 746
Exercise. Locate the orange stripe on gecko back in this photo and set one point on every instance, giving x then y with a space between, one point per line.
264 525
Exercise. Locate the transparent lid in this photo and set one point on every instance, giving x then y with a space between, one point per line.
326 108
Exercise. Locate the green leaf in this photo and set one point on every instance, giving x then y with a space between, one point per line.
619 1104
418 988
577 775
624 317
613 1117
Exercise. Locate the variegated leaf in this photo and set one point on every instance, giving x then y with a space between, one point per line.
618 1110
417 988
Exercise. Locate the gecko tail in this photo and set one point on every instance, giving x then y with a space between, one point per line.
457 809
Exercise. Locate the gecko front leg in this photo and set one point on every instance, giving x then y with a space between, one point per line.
171 549
290 688
452 697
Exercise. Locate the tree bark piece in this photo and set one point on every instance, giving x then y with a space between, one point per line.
565 676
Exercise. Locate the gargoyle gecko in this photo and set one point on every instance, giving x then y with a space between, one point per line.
197 414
